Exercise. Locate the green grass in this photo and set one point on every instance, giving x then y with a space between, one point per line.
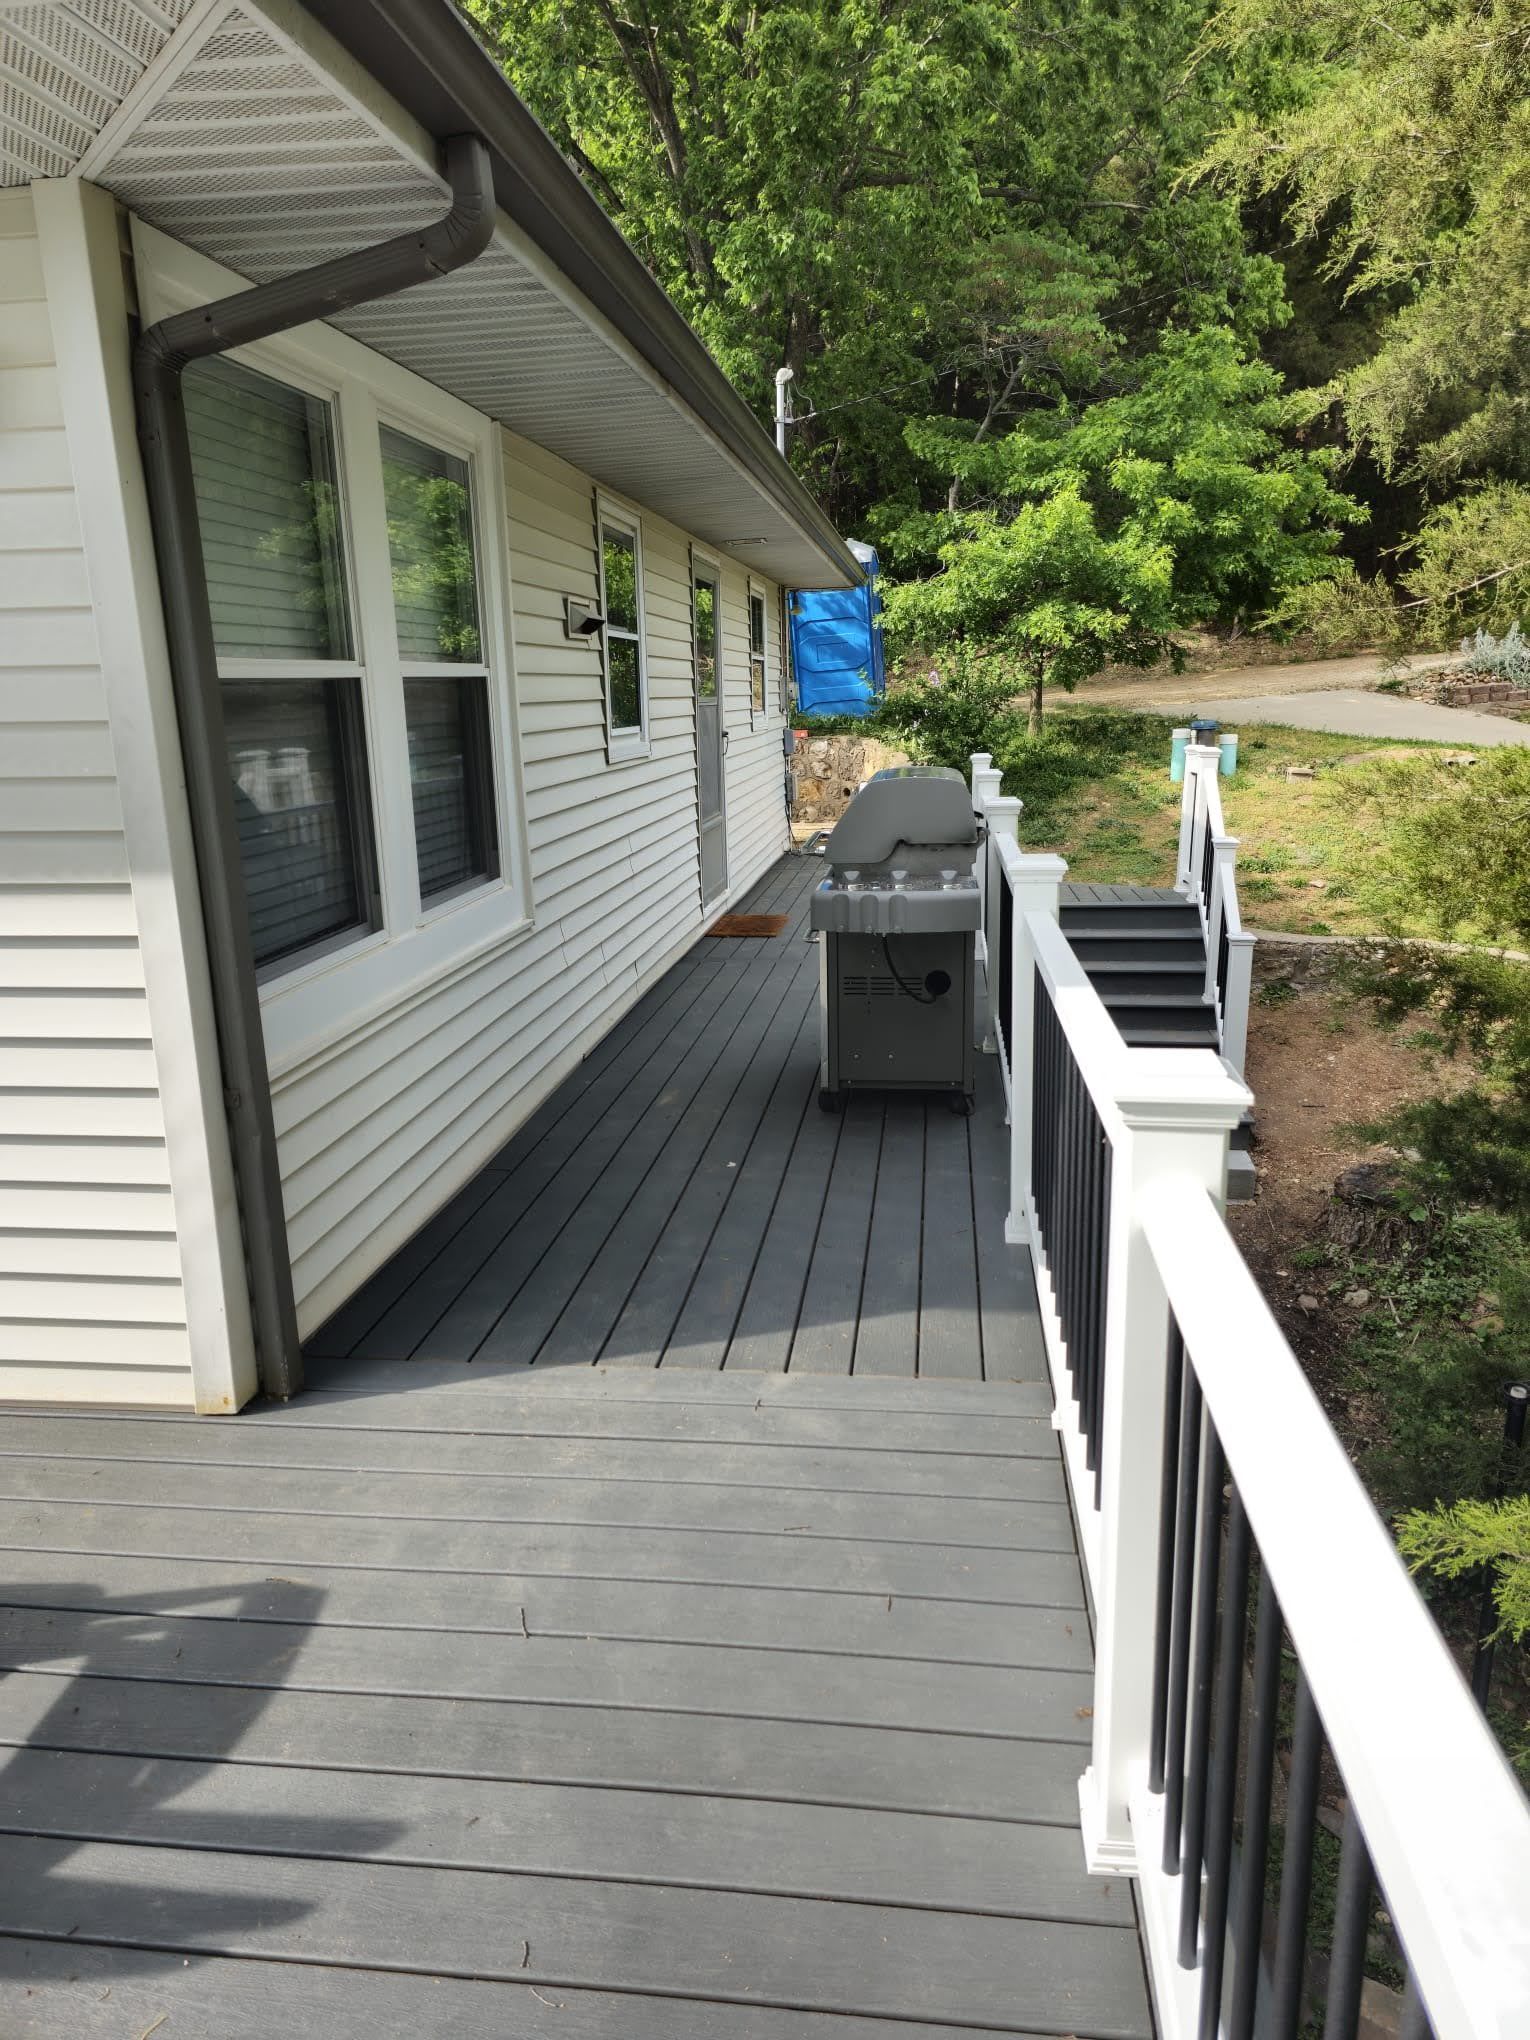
1096 788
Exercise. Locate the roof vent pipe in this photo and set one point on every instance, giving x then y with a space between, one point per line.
784 377
160 356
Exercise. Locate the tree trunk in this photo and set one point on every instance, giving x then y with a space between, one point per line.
1037 683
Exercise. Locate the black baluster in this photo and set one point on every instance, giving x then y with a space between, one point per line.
1172 1394
1202 1661
1102 1292
1222 1794
1264 1712
1179 1648
1074 1227
1289 1968
1351 1920
1089 1244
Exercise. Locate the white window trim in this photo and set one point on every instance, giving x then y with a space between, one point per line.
758 717
324 997
622 745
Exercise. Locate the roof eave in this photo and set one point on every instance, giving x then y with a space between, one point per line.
426 56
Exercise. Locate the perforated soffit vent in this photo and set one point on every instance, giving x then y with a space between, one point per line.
65 68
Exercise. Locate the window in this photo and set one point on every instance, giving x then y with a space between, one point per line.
756 652
622 606
301 807
269 507
431 552
704 596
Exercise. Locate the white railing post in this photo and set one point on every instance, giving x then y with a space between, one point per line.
1003 816
1036 883
1201 763
1188 788
1240 986
986 785
1178 1108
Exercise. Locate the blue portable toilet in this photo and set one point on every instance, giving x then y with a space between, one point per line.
837 644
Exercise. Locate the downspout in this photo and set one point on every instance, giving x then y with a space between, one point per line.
160 356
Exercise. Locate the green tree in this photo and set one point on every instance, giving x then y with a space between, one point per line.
914 204
1094 534
1397 148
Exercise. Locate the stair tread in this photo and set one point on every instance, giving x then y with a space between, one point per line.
1189 931
1186 966
1158 1001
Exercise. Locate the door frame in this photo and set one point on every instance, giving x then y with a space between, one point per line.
707 567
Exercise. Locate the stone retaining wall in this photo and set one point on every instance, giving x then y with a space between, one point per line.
826 771
1468 693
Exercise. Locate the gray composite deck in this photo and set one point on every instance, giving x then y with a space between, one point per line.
480 1700
681 1201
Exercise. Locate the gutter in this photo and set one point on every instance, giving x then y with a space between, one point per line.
159 357
428 58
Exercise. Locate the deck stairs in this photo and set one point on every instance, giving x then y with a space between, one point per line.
1143 950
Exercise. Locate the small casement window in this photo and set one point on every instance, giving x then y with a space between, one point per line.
621 604
433 557
756 652
272 528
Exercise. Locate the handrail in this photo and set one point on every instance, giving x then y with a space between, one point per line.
1171 1379
1208 869
1444 1820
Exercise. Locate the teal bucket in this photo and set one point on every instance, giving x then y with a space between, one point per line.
1228 747
1177 756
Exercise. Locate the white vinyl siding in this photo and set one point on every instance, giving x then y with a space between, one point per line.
91 1300
377 1131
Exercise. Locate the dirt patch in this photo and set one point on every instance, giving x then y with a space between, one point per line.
1318 1065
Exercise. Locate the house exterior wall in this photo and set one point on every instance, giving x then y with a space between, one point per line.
381 1126
119 1271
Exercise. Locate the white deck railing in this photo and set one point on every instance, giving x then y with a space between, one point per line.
1207 873
1215 1503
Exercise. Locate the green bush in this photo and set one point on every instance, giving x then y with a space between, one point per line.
965 704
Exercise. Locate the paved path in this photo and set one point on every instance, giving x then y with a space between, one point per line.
1157 687
1352 711
1312 694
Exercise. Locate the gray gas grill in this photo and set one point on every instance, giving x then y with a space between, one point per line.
897 919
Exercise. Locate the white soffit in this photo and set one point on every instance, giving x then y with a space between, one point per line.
65 68
252 151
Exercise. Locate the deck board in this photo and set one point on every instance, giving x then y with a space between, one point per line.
680 1202
774 1703
661 1618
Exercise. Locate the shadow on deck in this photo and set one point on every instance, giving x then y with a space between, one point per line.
680 1702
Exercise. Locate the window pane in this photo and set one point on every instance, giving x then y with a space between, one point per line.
451 781
263 458
757 625
626 707
300 836
619 553
430 543
706 638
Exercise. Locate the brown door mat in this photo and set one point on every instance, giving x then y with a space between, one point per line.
749 924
